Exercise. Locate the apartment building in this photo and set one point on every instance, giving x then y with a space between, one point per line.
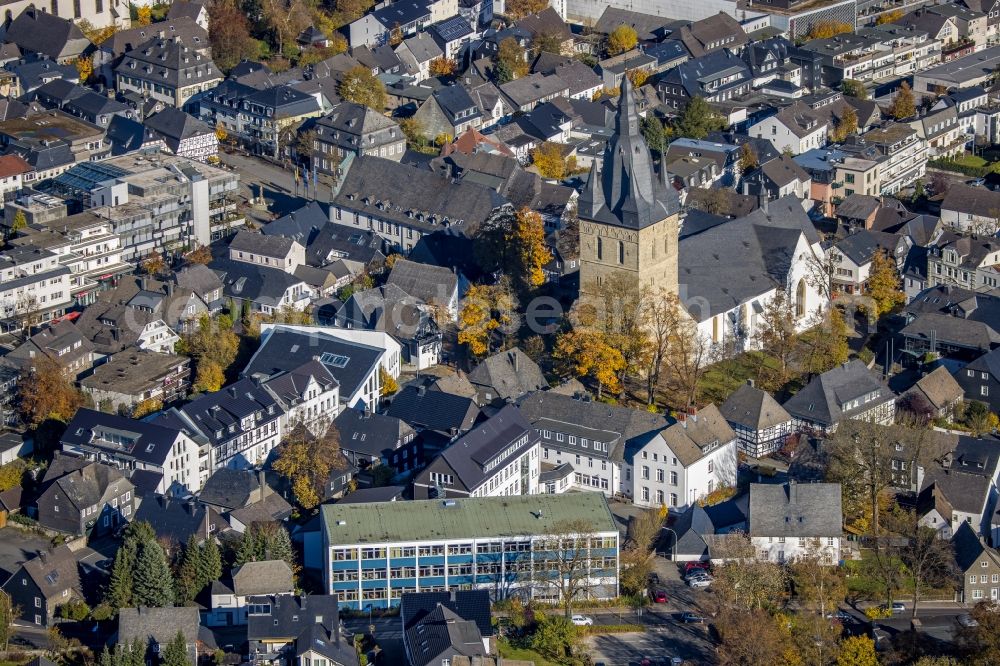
496 458
373 553
967 262
167 70
85 244
156 203
34 286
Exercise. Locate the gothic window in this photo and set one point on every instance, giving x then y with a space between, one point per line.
600 248
621 252
800 299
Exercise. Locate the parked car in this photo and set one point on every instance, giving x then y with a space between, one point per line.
898 607
659 596
699 582
843 616
967 620
696 565
582 620
692 618
697 573
654 579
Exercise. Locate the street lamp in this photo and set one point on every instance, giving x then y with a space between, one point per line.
674 545
371 626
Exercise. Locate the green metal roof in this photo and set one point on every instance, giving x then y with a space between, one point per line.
468 518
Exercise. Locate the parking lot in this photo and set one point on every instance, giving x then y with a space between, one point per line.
659 643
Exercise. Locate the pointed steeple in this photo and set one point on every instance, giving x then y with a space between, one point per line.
627 116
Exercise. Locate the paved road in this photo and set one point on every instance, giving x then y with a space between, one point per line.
278 183
388 635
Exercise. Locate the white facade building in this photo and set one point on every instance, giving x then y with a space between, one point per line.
796 519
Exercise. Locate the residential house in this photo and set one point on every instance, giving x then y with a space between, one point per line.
39 586
684 462
83 498
711 34
716 77
184 134
489 541
391 310
416 53
762 426
167 70
34 286
47 34
980 379
614 68
109 53
498 457
857 211
12 171
453 35
253 579
796 128
971 209
592 437
191 10
176 521
793 520
367 438
438 627
297 630
779 178
550 25
529 91
203 282
438 412
968 262
405 18
155 628
353 129
61 342
272 251
243 497
434 285
979 566
849 391
966 478
944 134
506 377
938 390
169 456
134 376
450 111
852 257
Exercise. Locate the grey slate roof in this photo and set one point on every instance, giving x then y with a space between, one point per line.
229 488
440 635
692 438
179 520
965 475
264 577
509 375
284 349
431 284
753 409
160 626
169 61
38 31
291 615
821 399
976 200
370 434
939 387
967 333
861 246
58 570
796 510
625 190
150 442
419 198
267 245
255 283
433 410
173 124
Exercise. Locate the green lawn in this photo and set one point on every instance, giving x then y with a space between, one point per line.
508 651
970 160
724 377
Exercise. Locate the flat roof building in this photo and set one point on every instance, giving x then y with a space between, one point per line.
376 552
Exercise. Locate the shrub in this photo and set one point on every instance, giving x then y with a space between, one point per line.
596 629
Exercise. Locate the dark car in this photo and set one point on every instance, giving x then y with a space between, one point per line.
696 565
692 618
659 596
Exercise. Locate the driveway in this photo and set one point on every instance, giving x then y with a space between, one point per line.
689 642
16 547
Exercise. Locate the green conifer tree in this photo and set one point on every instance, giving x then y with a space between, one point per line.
176 652
189 582
153 584
210 563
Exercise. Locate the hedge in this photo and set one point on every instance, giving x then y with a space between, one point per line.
594 629
951 165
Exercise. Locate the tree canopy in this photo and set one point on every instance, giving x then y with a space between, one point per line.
360 86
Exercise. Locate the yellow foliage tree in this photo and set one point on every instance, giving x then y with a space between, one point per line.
510 61
528 236
443 66
549 161
827 29
903 104
146 407
360 86
884 284
306 461
47 393
84 67
220 132
209 377
890 17
586 352
518 9
389 385
622 39
144 15
638 77
857 651
475 320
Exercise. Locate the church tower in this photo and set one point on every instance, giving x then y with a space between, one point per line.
629 216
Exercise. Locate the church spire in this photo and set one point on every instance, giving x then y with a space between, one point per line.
627 116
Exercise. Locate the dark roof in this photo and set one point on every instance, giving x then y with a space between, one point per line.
40 32
184 8
170 61
970 548
284 349
160 626
370 434
434 410
97 431
473 605
964 476
821 400
178 520
419 198
509 374
861 246
440 636
380 494
301 225
229 488
753 408
254 283
290 615
172 123
795 510
431 284
975 335
57 570
625 190
647 27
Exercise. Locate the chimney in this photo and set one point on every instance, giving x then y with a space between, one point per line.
513 358
264 490
170 288
144 284
750 383
421 390
792 492
682 419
